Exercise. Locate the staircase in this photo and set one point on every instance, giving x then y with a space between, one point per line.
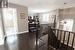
60 39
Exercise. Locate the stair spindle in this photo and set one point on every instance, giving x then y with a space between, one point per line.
73 39
64 37
57 33
68 38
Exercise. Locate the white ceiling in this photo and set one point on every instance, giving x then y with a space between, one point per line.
37 6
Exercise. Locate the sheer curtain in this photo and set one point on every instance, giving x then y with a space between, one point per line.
1 32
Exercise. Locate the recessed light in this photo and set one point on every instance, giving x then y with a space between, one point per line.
65 3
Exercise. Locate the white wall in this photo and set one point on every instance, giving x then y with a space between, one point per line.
55 13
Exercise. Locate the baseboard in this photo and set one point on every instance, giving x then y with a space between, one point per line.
23 32
16 33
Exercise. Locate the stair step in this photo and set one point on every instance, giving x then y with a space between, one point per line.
51 48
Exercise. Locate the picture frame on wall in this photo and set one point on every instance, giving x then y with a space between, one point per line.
22 15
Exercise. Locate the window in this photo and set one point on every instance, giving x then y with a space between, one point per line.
68 24
45 18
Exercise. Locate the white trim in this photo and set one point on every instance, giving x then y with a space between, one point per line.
12 34
16 33
23 32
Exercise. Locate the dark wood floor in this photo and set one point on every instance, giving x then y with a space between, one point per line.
25 41
20 42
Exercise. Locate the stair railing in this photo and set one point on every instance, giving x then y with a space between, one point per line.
65 37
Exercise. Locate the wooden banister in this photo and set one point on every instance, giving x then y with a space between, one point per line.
65 33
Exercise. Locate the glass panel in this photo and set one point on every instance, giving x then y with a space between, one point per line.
10 20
